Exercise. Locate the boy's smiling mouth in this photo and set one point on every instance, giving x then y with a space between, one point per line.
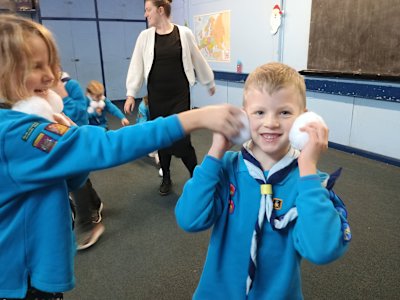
270 137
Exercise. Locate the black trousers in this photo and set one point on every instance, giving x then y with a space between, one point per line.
86 202
189 160
34 294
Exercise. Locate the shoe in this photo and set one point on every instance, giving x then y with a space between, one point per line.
91 238
165 187
156 159
160 172
97 217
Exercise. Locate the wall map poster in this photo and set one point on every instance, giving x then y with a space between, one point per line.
213 34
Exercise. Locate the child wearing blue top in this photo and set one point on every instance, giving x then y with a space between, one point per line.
87 204
75 103
143 115
41 161
268 205
99 106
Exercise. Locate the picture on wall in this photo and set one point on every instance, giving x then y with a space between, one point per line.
25 5
213 34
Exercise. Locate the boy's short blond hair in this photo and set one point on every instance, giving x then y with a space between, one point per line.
16 58
272 77
95 87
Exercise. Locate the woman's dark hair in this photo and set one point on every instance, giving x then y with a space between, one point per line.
166 4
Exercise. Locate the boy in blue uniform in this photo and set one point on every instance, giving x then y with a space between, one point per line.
268 204
99 106
41 161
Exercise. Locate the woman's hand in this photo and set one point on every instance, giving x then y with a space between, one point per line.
211 91
129 105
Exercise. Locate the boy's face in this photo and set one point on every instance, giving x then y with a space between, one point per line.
96 97
271 117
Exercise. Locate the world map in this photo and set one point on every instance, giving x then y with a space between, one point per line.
213 36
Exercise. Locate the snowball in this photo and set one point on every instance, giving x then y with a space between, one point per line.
101 104
244 134
298 139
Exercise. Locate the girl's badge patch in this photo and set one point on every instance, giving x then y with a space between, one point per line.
56 128
232 191
44 142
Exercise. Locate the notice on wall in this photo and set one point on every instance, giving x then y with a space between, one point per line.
213 35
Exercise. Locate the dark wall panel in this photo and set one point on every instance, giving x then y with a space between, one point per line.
359 37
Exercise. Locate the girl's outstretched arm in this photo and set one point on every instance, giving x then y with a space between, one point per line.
218 118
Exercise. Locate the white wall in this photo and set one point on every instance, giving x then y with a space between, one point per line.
364 124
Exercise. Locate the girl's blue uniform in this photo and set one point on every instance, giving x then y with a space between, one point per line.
39 163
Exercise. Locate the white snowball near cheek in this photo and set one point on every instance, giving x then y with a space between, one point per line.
244 134
298 139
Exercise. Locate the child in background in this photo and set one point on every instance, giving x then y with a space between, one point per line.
143 115
74 100
86 201
268 204
42 160
99 105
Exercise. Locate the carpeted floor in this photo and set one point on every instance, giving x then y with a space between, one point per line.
144 255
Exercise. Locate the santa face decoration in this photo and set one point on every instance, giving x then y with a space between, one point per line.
275 19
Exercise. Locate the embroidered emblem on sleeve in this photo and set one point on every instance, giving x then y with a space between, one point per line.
29 131
277 203
44 142
232 190
56 128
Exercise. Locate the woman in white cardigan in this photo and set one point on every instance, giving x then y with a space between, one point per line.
167 59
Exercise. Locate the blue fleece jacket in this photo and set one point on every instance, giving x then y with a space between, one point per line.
222 195
101 119
75 104
39 163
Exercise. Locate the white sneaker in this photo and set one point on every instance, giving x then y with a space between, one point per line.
97 217
91 238
156 159
160 172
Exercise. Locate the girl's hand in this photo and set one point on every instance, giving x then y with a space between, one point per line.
63 119
220 145
316 145
129 105
224 119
